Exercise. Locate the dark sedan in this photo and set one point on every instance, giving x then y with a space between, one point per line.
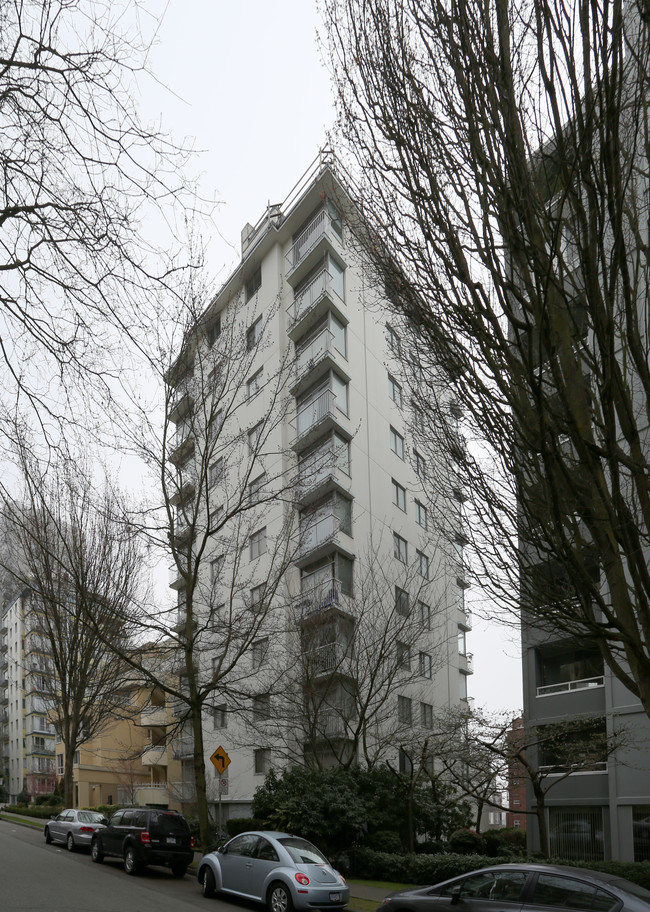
524 888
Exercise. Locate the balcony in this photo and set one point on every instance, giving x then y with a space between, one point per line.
323 597
183 748
466 621
176 579
312 303
184 489
182 446
154 755
569 686
317 418
314 482
151 795
182 401
154 717
321 236
331 658
184 791
467 663
319 536
43 765
315 359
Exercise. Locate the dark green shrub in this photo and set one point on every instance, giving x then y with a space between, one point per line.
48 799
42 812
237 825
418 868
466 842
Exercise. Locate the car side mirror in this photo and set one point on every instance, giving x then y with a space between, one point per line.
455 895
53 817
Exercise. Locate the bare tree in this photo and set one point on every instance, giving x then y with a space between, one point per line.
224 519
80 565
478 751
80 177
499 156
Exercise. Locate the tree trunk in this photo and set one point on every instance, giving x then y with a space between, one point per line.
199 779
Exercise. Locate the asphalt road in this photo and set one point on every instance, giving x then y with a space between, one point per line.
35 877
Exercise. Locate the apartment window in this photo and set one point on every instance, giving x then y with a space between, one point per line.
426 715
216 568
213 330
395 391
255 383
419 465
340 390
403 655
254 283
399 495
220 716
421 516
462 642
462 685
400 548
215 471
256 488
254 334
59 764
75 758
405 764
261 707
254 436
257 596
401 601
424 615
262 760
260 651
423 565
392 337
404 710
258 543
397 443
426 665
217 424
216 518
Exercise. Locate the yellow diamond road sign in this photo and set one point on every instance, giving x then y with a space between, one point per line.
220 759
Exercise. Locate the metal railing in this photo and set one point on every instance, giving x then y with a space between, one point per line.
567 686
319 226
308 296
310 414
323 595
315 532
310 354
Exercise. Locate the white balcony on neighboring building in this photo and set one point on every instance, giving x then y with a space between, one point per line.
154 755
153 717
151 795
322 235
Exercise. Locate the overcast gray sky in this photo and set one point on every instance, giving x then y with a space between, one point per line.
246 80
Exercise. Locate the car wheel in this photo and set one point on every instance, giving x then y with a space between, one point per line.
208 885
131 863
178 870
96 852
48 838
279 898
69 843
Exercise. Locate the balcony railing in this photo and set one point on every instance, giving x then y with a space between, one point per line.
315 532
323 595
183 747
309 296
328 658
153 716
567 686
310 354
154 755
321 225
311 414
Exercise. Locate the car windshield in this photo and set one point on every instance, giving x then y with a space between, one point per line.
301 851
89 817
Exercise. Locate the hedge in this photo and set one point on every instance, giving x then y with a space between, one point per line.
42 812
430 869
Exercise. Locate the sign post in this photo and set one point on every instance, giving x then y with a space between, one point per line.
221 761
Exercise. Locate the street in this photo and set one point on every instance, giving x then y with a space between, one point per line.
35 877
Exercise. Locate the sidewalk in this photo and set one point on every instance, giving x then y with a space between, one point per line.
372 894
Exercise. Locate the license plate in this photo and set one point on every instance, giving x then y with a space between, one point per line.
335 897
171 839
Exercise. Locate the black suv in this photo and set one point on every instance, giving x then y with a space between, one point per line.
143 836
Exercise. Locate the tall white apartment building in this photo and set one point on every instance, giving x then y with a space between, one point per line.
368 543
26 736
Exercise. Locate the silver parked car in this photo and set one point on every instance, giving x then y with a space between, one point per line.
73 827
285 872
524 888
